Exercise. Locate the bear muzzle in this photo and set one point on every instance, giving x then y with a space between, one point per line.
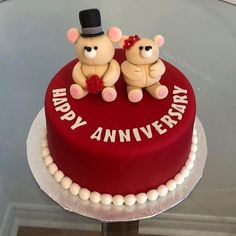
146 52
90 52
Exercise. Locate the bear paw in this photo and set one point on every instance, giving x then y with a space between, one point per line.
77 92
109 94
161 92
135 95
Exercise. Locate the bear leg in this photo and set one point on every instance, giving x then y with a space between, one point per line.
158 91
109 94
77 92
134 94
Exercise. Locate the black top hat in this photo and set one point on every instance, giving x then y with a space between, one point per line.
90 21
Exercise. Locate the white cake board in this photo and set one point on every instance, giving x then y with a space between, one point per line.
99 211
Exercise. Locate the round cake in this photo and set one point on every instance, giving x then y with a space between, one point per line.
119 148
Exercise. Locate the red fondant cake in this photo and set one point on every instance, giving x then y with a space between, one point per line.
120 147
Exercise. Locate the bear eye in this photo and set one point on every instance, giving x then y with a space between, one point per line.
95 47
85 48
141 48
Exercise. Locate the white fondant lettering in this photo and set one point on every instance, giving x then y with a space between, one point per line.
178 90
158 127
79 122
58 101
61 92
168 121
68 116
147 131
110 135
180 99
124 136
136 134
172 113
178 107
97 134
65 107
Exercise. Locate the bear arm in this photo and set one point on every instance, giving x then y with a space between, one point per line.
157 69
78 76
112 74
131 71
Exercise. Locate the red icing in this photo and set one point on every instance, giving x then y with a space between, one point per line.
119 168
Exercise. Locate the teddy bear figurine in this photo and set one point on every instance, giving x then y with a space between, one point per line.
96 70
143 67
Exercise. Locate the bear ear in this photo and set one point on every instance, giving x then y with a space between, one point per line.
159 40
122 41
73 35
115 34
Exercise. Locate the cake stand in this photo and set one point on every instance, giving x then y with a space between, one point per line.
122 218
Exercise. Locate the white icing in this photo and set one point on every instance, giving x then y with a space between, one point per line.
162 190
130 199
95 197
58 101
141 198
171 185
147 131
97 134
179 178
189 164
158 127
48 160
118 200
65 107
52 168
124 136
185 171
58 176
136 134
194 139
79 122
110 135
178 90
84 193
70 115
66 182
61 92
180 99
178 107
192 156
172 113
194 132
74 189
194 147
106 199
168 121
152 195
45 151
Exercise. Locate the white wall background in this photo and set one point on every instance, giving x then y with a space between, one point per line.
200 40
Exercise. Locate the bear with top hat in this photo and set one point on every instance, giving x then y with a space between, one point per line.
95 51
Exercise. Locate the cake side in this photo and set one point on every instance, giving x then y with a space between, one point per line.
120 147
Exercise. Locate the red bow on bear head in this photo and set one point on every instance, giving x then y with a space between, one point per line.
128 43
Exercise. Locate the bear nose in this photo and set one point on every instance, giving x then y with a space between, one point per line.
147 48
88 49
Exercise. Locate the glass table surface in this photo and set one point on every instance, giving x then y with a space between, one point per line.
200 39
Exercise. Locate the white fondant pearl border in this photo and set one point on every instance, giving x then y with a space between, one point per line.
119 200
